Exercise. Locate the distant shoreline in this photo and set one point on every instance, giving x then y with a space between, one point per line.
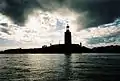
62 48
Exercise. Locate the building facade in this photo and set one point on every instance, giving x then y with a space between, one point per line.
67 37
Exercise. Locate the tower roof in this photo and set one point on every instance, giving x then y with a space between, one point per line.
67 26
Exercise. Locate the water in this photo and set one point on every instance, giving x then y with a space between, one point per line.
59 67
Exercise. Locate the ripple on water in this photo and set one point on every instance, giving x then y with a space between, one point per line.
58 67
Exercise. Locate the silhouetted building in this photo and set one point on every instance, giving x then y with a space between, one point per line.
44 46
80 44
67 36
66 48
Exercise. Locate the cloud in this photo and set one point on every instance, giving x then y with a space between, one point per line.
38 31
41 28
18 10
104 41
96 12
107 34
47 26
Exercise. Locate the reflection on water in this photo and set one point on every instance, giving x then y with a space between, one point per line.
59 67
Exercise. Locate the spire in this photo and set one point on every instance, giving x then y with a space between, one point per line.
67 27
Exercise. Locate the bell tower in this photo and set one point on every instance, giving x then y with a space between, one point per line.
67 37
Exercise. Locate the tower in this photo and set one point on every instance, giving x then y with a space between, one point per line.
67 36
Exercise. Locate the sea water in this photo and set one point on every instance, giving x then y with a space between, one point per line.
60 67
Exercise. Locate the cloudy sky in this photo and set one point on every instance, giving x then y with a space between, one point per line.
33 23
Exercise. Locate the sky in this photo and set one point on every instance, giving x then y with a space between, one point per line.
33 23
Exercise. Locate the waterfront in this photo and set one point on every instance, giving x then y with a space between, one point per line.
59 67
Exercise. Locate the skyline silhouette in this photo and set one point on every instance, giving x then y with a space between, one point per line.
67 48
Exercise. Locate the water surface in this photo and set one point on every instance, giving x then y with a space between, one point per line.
59 67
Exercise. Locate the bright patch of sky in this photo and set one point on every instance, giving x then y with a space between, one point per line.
44 28
41 28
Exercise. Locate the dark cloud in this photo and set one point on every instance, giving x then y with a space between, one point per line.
16 9
99 40
97 11
4 30
112 38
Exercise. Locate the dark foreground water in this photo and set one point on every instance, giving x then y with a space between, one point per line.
59 67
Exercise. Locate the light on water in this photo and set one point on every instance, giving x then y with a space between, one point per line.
59 67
